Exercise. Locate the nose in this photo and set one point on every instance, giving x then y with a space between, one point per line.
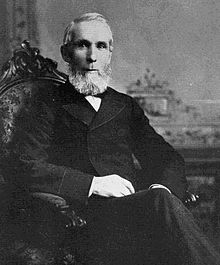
91 55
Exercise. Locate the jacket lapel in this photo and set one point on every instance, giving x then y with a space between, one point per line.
110 107
81 112
77 106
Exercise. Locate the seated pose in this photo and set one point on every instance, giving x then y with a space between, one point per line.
79 142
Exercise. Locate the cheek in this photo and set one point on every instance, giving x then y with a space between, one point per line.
78 57
104 59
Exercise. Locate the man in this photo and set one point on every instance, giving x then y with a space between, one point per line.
80 141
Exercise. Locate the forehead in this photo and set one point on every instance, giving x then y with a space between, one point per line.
92 31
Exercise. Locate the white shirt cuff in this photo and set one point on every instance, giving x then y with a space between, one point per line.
158 186
91 189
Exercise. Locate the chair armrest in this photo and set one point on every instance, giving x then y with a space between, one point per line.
59 203
38 228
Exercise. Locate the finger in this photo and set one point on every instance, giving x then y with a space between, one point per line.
118 194
120 190
125 190
129 186
124 193
194 197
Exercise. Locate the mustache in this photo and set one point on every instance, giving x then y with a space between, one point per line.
106 72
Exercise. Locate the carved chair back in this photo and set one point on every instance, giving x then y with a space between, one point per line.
25 75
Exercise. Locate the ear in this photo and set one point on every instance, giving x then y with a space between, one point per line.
65 53
110 53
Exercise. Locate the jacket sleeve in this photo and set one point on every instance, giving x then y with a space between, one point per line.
160 163
26 163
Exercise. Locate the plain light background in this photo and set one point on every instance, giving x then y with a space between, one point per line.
179 40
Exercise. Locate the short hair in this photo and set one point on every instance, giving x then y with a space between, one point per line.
69 31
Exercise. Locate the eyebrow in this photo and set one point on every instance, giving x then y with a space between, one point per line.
84 41
81 41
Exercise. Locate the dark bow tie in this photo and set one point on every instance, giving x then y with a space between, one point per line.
100 95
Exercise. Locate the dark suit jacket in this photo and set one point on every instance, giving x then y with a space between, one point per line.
60 143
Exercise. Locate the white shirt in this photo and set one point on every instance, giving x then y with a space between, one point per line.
94 101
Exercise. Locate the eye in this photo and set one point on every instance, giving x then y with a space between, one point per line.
82 44
102 45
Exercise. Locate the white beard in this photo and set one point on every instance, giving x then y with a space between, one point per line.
89 83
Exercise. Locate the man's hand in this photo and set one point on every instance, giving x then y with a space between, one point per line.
111 186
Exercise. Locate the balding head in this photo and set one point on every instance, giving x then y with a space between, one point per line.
87 17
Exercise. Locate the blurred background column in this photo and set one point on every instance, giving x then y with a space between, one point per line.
4 34
18 22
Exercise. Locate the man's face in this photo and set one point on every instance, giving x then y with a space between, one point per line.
90 52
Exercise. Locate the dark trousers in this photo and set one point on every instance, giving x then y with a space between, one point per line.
149 227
